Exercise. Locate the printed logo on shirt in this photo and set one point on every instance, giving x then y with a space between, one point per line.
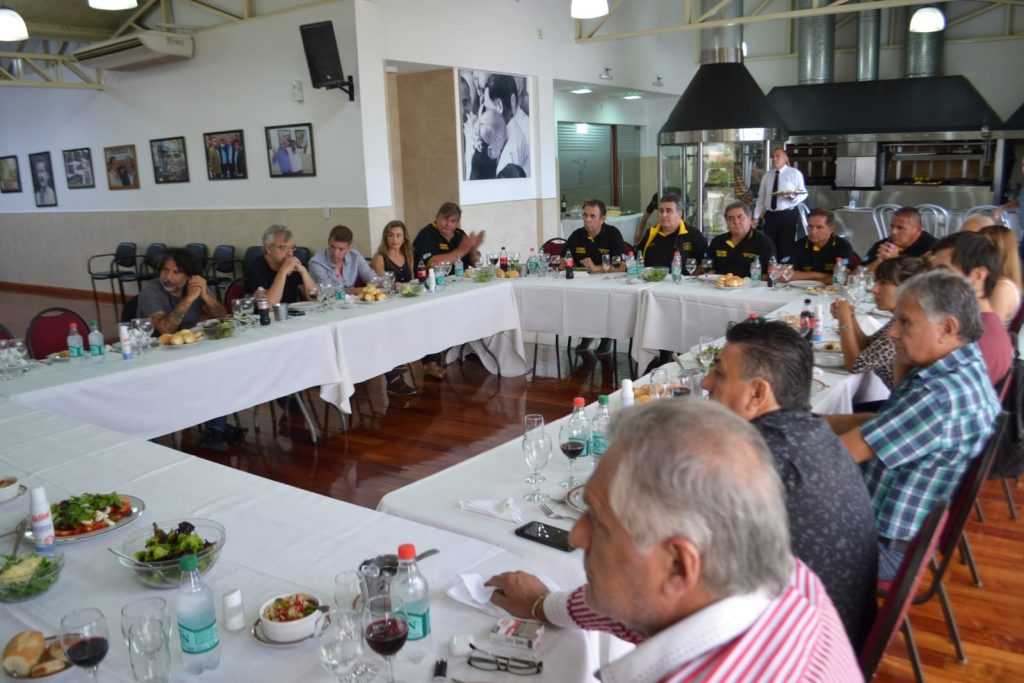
443 246
581 250
749 255
721 253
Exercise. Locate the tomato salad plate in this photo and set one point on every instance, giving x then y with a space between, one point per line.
92 514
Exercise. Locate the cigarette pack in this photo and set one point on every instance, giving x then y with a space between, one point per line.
518 633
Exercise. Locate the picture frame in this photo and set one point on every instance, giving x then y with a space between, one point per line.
290 151
225 155
43 185
122 167
78 168
170 160
10 175
496 140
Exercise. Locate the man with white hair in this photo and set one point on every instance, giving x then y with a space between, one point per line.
686 550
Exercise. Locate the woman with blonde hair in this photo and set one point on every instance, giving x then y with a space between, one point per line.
1006 296
394 255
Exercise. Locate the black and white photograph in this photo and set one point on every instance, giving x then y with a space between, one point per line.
78 168
10 177
495 118
42 178
170 162
225 155
290 150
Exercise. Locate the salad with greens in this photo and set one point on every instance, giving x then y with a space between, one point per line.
25 576
173 544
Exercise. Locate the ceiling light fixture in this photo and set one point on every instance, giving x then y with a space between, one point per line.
588 9
581 91
606 75
927 20
632 96
113 4
12 26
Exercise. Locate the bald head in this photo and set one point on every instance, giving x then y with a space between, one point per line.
976 223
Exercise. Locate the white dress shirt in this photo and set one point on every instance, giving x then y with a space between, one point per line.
790 180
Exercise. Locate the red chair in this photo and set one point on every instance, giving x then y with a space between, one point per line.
554 246
48 331
892 616
236 290
5 333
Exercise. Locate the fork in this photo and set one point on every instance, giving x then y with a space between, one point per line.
554 515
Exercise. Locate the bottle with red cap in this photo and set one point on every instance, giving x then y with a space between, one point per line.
410 585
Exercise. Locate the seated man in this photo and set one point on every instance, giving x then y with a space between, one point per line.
686 549
670 235
443 241
764 375
975 257
589 245
916 448
814 257
178 299
906 238
279 272
339 264
734 251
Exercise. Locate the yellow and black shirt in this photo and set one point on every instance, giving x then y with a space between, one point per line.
608 241
736 258
810 258
430 242
657 249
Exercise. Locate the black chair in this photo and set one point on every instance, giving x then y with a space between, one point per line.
251 254
148 263
130 310
117 265
303 254
200 250
222 268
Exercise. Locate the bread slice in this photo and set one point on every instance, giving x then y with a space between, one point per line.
23 652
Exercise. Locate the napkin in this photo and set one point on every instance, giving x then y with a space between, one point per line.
505 509
469 589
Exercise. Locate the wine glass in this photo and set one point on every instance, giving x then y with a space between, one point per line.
774 272
386 628
616 261
537 451
348 590
248 308
706 353
145 609
532 422
340 647
786 271
514 260
659 383
84 638
492 258
707 265
572 439
17 356
606 263
140 335
691 267
5 359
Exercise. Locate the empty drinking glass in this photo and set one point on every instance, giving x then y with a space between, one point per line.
149 651
786 271
659 383
340 649
706 353
606 263
691 266
145 609
537 452
348 591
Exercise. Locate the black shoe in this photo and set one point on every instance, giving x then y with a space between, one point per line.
213 440
604 347
584 343
400 388
233 434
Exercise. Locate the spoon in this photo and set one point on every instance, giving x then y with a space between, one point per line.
19 534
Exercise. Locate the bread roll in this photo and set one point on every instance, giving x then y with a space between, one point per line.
165 338
45 668
22 652
55 651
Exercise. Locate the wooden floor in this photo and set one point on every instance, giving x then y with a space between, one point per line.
472 411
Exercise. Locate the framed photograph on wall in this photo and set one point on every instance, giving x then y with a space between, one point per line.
290 150
10 176
225 155
122 167
78 168
170 163
495 125
42 178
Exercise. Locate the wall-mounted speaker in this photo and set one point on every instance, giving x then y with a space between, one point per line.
323 59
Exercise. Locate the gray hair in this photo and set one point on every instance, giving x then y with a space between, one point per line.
273 231
737 205
696 470
941 293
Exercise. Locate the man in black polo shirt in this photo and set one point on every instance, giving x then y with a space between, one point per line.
815 256
662 241
443 241
589 245
906 238
280 272
733 251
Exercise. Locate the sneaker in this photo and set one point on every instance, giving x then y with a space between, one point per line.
233 434
604 347
213 440
400 388
584 343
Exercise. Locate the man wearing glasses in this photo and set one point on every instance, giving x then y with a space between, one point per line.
280 272
686 550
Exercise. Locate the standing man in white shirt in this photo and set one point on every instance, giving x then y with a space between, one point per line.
778 203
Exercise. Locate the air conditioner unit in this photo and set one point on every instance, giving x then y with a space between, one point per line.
137 51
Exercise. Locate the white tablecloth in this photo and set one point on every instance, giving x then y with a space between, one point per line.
279 539
586 306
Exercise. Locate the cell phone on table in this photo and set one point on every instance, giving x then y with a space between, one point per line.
292 313
545 533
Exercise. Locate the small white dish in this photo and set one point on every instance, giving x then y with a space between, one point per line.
318 627
10 488
290 631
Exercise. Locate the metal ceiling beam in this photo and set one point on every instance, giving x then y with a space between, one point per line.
205 6
135 16
611 10
66 32
50 72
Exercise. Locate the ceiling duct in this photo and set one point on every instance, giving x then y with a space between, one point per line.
923 55
816 47
723 102
868 43
137 51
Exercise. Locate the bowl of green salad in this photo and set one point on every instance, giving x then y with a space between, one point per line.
152 553
28 574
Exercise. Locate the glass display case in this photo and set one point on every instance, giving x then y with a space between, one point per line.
710 175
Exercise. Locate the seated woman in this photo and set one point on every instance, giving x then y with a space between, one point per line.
1005 297
876 352
394 255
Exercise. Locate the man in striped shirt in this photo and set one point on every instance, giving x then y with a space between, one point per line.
686 550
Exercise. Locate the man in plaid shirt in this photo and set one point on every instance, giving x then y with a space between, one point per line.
686 550
917 448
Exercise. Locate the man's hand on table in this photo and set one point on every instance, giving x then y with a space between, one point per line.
888 250
519 593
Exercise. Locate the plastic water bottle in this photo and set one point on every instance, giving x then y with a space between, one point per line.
42 522
677 268
630 265
197 619
76 349
97 349
755 270
124 333
412 588
599 429
531 262
839 273
460 271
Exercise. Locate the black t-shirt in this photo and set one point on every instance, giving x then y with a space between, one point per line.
919 248
813 259
608 241
259 274
658 249
736 258
430 242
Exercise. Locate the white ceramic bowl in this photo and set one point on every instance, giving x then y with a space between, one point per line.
8 488
289 631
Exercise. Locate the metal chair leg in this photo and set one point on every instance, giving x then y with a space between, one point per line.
954 632
305 414
915 657
1009 497
965 547
979 511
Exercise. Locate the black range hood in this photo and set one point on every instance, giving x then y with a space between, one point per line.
1016 120
905 105
722 103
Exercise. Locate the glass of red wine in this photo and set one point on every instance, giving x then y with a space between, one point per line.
386 627
84 638
572 439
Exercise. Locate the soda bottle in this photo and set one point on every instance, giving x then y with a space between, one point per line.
807 321
97 348
421 272
579 418
412 588
677 267
197 619
42 522
599 429
569 274
75 348
503 259
565 205
262 306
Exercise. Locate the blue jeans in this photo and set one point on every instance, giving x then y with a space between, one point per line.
889 562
